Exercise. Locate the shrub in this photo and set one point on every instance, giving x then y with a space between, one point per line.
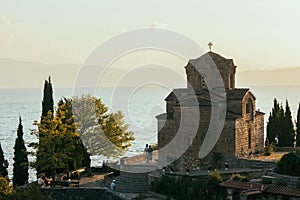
216 174
238 177
5 188
289 164
184 187
268 150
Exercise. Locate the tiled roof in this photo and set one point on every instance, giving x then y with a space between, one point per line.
271 189
237 93
231 114
177 93
241 185
161 116
283 190
193 102
186 94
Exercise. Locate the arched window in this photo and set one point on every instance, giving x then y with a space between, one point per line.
249 106
249 138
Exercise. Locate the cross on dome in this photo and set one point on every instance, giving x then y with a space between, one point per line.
210 45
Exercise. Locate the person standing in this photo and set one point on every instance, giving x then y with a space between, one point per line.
266 142
276 141
113 185
146 151
40 181
150 150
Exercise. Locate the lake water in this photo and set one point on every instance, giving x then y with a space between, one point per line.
139 107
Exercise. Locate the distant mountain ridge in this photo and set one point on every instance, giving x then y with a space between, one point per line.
23 74
282 76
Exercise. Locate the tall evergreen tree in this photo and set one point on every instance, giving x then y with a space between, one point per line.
20 171
275 121
47 104
47 112
3 164
298 127
288 130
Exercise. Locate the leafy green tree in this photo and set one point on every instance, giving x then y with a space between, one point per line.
3 164
57 144
101 132
20 170
288 130
80 156
298 127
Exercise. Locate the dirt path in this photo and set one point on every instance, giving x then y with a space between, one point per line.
93 181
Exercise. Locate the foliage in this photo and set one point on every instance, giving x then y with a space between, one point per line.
288 127
59 145
298 127
280 123
216 175
62 141
280 182
30 191
47 114
101 132
47 103
274 121
238 177
5 188
3 164
189 188
268 150
289 164
20 170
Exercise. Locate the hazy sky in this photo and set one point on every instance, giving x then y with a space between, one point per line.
258 34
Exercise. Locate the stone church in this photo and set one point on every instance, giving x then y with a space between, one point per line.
243 132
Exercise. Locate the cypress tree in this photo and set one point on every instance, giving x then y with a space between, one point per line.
3 164
20 170
298 127
274 121
47 104
288 130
